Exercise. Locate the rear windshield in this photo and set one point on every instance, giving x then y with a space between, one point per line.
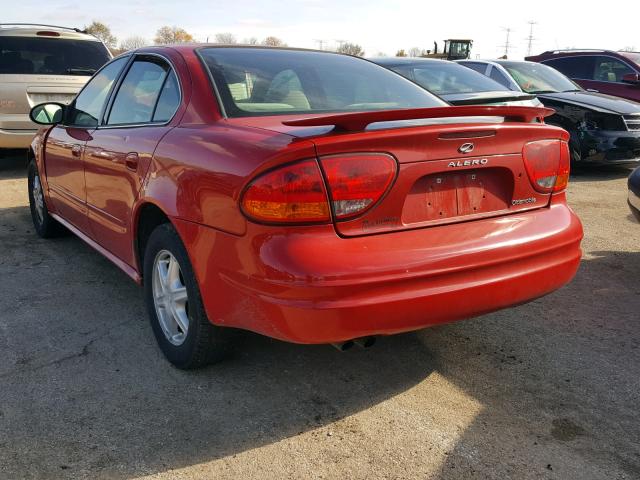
254 81
538 78
443 78
55 56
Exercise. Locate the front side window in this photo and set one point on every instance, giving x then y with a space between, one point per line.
138 94
86 109
51 56
443 78
252 81
609 69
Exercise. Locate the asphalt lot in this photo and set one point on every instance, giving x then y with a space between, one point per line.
547 390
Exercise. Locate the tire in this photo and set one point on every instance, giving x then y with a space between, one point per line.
45 225
164 288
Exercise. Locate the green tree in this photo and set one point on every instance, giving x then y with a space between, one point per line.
103 33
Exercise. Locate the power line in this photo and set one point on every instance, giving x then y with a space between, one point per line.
530 38
320 43
507 43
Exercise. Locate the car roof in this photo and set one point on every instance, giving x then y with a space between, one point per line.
31 30
405 60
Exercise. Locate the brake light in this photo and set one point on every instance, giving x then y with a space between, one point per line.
356 182
47 33
547 163
294 193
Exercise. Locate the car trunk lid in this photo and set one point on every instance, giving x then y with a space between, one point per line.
447 172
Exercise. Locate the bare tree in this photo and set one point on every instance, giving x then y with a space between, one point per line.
416 52
273 42
350 49
631 48
103 33
226 38
401 53
250 41
131 43
166 35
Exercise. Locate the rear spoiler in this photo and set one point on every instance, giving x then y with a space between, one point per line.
358 121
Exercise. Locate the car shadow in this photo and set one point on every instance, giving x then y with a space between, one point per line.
13 165
558 380
84 390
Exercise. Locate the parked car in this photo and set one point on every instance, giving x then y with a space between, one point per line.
41 63
604 129
634 193
604 71
243 187
454 83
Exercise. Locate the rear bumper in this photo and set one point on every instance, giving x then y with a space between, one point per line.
307 285
611 147
16 138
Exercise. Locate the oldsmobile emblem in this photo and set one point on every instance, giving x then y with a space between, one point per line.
469 163
466 148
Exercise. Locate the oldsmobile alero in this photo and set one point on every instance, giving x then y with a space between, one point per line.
308 196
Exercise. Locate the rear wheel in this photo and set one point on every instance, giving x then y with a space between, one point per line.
45 225
179 322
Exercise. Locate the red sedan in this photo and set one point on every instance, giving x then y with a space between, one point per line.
309 196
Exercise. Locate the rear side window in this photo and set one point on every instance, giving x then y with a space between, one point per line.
50 55
137 96
499 77
252 81
90 102
574 67
169 99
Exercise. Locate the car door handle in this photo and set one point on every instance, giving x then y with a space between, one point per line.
102 154
76 150
131 161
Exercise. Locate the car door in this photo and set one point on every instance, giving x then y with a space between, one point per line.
119 153
66 142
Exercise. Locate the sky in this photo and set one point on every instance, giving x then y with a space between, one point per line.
378 26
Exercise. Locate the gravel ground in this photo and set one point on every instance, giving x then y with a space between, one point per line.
547 390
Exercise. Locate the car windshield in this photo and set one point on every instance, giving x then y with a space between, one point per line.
443 78
261 81
537 78
50 55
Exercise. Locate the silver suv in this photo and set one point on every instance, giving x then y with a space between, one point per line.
41 63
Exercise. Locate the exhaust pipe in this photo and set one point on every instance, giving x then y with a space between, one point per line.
365 342
343 346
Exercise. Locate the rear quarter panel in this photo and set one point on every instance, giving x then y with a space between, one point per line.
199 172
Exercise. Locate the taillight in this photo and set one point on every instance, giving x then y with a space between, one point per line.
294 193
547 163
356 182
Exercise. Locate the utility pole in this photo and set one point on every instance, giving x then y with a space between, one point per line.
320 43
340 43
507 43
530 38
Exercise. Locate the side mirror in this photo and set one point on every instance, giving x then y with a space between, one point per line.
632 78
47 113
